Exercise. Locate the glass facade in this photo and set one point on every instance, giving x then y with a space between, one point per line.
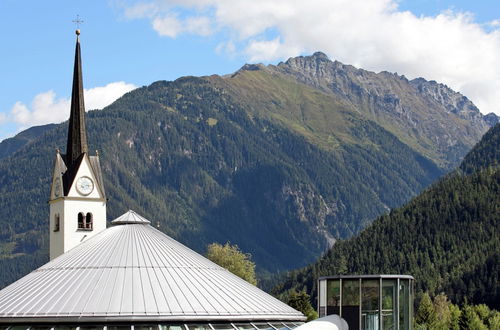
350 302
333 297
404 311
389 298
182 326
368 302
322 298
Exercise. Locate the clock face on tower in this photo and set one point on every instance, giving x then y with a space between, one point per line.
84 185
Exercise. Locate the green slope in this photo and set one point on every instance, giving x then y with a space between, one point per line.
321 118
447 237
192 156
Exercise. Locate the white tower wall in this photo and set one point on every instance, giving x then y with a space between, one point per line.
66 208
69 235
56 236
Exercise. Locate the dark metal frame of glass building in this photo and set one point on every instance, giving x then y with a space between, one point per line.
259 325
368 302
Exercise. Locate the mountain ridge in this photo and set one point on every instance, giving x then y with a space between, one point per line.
391 101
451 102
11 145
279 167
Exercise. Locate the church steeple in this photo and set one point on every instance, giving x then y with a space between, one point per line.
77 136
77 197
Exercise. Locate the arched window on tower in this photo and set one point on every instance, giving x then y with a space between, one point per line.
57 222
89 219
81 220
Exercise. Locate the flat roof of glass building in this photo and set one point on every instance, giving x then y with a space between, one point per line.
406 277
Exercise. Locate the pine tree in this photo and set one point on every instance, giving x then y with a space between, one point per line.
301 302
426 315
454 317
443 313
469 320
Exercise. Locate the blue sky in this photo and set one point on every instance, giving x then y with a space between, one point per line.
128 43
484 10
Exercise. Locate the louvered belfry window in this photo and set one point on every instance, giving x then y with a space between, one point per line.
81 220
89 219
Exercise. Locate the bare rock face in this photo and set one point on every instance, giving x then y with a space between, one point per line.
430 117
311 208
492 119
452 101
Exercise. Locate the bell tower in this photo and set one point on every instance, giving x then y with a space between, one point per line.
77 198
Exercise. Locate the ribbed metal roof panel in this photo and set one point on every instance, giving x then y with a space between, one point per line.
130 217
133 271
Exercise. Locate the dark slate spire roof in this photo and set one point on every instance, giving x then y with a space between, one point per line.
77 148
77 136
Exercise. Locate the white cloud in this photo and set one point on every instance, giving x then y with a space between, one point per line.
141 10
226 47
269 49
494 23
171 26
450 47
48 108
168 26
167 22
45 108
100 97
198 25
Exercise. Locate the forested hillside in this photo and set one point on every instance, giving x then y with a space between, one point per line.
187 156
13 144
260 159
447 237
485 154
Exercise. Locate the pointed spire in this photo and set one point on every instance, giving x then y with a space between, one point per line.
77 136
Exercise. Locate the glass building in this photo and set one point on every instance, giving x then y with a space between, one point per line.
368 302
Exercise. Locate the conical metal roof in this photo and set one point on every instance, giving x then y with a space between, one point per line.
133 272
130 217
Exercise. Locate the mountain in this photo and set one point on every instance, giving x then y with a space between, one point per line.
259 158
447 237
13 144
430 117
492 119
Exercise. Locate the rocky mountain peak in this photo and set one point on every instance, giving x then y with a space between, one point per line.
251 67
453 102
492 119
321 56
317 57
425 111
312 64
316 70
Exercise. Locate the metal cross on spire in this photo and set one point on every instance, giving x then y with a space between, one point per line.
77 21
